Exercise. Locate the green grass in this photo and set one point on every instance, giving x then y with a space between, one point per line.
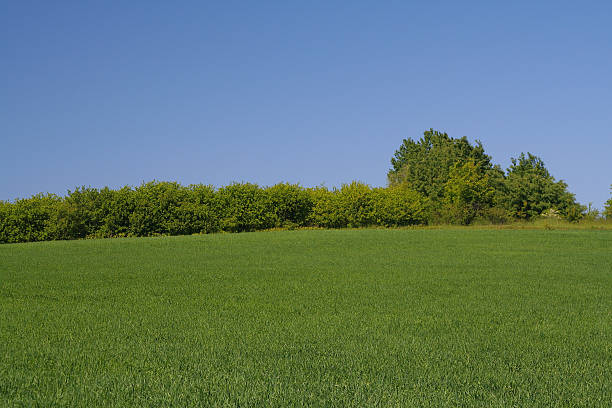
458 317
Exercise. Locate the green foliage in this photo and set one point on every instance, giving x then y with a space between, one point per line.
592 213
157 209
356 204
608 208
359 205
116 208
291 204
493 215
6 209
425 165
466 192
199 212
327 209
462 184
530 190
167 208
29 219
80 214
245 207
399 206
574 212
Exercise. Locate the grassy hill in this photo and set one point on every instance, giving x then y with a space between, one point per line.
447 317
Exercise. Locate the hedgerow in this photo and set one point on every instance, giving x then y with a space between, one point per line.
168 208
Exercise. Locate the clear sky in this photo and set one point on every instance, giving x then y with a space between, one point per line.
317 92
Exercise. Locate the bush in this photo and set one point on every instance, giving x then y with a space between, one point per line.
79 215
356 205
326 210
291 204
608 208
29 219
245 207
592 214
398 206
116 208
493 215
156 209
455 214
200 212
5 226
359 205
574 213
163 208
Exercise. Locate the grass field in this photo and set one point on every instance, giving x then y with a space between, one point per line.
457 317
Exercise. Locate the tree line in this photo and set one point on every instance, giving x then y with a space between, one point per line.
463 184
434 180
168 208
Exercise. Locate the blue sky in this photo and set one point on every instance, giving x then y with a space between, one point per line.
116 93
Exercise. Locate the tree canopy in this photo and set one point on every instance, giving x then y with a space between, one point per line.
530 189
461 181
425 165
466 193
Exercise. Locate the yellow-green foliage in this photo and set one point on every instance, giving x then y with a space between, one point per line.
466 192
359 205
466 185
326 211
608 208
290 203
165 208
244 207
32 219
398 206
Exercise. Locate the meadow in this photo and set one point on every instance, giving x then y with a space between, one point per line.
338 318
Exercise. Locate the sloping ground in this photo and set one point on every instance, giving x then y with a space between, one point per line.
311 318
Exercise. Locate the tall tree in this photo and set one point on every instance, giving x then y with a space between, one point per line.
466 193
530 190
425 165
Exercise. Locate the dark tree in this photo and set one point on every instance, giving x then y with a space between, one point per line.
425 165
530 190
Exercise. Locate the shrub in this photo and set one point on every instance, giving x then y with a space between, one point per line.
200 213
494 215
29 219
359 205
79 214
245 207
592 214
5 226
574 213
355 204
116 208
168 208
326 210
398 206
608 208
291 204
156 209
454 214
